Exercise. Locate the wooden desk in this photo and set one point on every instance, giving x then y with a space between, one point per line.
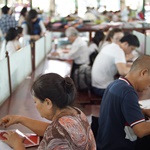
90 29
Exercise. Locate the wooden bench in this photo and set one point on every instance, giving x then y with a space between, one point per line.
88 98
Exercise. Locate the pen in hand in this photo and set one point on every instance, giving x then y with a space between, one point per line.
23 135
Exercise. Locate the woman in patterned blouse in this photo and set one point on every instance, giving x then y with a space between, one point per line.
69 129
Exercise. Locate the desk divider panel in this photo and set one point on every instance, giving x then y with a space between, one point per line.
4 81
20 66
147 45
39 51
141 38
48 42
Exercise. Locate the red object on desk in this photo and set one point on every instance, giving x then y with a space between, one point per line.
1 135
33 137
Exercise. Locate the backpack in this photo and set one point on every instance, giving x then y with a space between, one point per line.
82 77
93 56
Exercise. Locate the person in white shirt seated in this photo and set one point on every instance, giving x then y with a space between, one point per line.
114 36
11 43
111 60
23 39
78 52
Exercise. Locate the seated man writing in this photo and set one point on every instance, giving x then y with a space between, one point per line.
111 60
78 52
122 123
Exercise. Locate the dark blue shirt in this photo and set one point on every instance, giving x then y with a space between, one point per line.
36 27
119 109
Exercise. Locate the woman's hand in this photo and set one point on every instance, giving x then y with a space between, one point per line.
14 140
9 120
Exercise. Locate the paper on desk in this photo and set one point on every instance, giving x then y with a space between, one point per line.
4 146
145 103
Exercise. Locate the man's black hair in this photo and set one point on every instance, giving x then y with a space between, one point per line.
5 9
131 40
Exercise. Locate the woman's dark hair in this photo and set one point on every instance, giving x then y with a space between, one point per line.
61 91
11 34
112 32
19 29
99 36
131 40
31 15
23 11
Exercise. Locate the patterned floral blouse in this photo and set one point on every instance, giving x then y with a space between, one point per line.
68 132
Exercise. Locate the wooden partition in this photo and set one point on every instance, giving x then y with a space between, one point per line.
20 65
142 39
39 51
147 52
48 42
4 81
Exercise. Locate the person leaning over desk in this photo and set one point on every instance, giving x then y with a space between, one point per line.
53 98
121 119
33 27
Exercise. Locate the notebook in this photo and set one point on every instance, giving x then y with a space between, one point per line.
145 103
31 139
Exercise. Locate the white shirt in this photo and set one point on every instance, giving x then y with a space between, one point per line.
11 47
103 44
92 47
104 66
24 40
79 52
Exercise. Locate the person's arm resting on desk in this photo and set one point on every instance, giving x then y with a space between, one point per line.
34 125
71 54
14 140
142 129
122 68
